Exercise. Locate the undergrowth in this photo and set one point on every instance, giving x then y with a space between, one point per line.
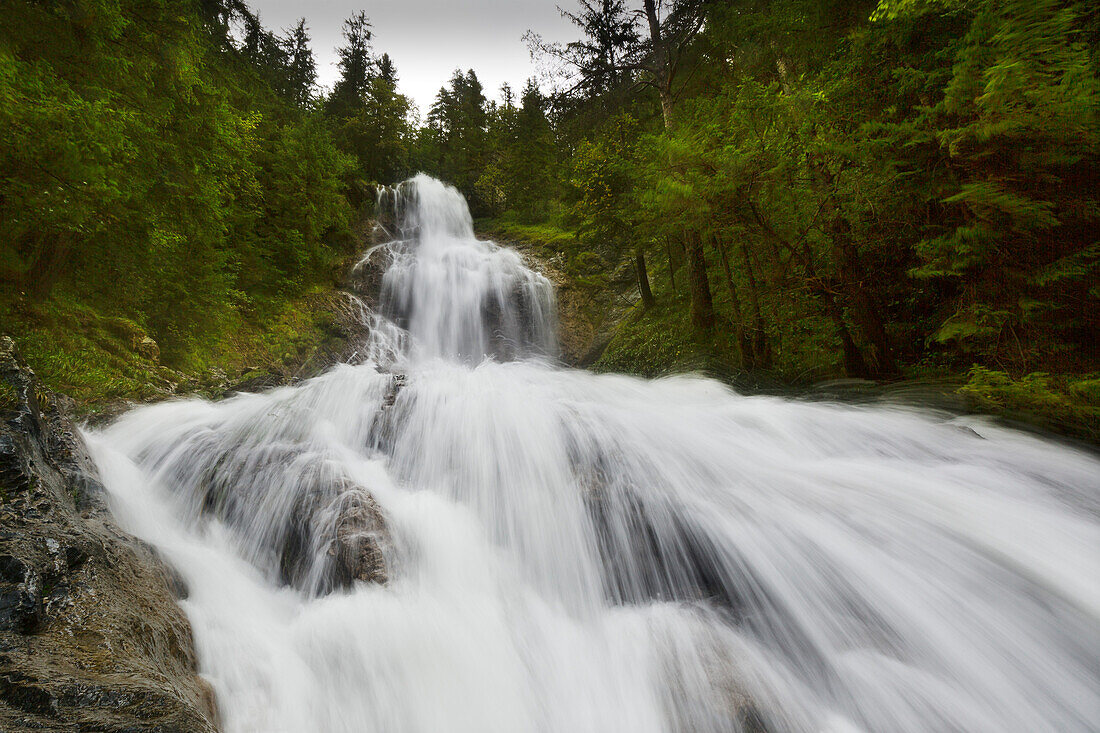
98 358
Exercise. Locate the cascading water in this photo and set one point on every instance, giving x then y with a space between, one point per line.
462 298
438 541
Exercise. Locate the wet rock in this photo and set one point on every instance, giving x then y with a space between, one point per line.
91 638
651 549
338 537
357 549
397 383
364 278
751 719
387 424
20 595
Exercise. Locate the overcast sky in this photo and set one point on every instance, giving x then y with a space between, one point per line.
429 39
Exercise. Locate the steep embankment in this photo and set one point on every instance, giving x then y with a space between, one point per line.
91 636
588 309
603 326
104 361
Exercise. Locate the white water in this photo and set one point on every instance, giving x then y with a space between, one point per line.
573 552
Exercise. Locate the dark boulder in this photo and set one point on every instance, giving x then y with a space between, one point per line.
20 595
338 536
361 540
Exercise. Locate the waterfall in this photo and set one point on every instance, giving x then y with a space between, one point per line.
462 297
460 535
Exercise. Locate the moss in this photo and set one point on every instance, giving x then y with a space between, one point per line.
551 243
98 358
659 341
1068 404
9 397
551 237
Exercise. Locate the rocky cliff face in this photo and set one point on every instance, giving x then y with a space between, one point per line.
91 636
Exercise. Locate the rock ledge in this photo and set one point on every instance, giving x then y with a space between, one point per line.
91 636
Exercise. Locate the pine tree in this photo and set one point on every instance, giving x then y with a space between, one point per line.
356 66
301 67
610 32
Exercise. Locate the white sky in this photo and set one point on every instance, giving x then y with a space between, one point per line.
429 39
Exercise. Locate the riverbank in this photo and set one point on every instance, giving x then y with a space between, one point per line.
105 361
620 335
91 634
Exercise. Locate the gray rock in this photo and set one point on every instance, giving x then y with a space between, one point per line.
91 638
359 547
338 537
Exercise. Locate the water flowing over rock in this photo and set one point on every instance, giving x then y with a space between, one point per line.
462 297
458 534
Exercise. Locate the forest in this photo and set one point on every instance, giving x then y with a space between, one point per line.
795 189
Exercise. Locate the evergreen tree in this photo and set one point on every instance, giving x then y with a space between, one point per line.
610 33
356 67
387 72
301 67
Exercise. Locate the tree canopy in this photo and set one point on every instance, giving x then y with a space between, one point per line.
817 188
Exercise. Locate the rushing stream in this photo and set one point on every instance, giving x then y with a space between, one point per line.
459 535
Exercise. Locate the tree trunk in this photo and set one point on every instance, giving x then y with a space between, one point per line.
743 344
664 90
762 355
702 306
864 311
671 266
662 73
854 363
643 279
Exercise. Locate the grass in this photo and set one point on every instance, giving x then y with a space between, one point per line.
79 351
550 237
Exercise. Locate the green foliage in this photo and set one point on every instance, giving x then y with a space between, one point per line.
156 172
609 30
894 9
454 143
865 188
503 157
370 117
1019 128
1069 403
602 183
878 187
